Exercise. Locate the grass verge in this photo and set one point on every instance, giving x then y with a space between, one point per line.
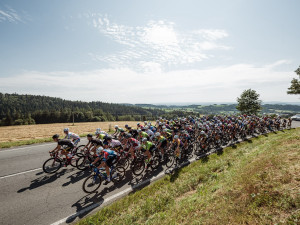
255 182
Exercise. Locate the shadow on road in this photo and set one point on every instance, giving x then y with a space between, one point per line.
38 182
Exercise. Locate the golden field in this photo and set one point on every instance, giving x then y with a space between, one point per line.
39 131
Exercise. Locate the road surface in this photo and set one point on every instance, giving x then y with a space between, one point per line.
29 196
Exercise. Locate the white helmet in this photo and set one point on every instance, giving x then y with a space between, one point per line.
139 130
99 150
145 122
157 134
176 137
66 130
98 129
163 127
146 127
144 139
116 126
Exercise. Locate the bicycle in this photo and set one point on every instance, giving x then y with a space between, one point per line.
93 182
55 162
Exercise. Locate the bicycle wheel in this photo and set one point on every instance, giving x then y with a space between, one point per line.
118 174
74 159
83 163
91 183
79 149
52 165
155 161
124 162
138 167
170 160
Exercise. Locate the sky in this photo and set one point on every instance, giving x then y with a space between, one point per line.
138 51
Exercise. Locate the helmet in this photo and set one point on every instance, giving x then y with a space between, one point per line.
116 126
109 138
97 132
165 130
55 136
102 132
202 132
99 150
126 126
98 129
139 130
145 122
66 130
128 136
89 135
144 139
138 124
157 134
176 137
146 127
163 127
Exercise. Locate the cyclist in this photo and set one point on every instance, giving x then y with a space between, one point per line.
93 143
69 135
118 131
133 145
66 151
108 157
178 144
146 148
114 144
162 143
142 134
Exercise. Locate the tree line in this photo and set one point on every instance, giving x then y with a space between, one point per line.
16 109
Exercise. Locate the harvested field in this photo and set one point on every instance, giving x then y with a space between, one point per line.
39 131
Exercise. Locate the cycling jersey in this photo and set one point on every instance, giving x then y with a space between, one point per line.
144 135
96 142
115 143
178 142
133 142
66 142
72 136
148 145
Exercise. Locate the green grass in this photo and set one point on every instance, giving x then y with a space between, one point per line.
255 182
28 142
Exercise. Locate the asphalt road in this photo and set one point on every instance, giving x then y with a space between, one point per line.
29 196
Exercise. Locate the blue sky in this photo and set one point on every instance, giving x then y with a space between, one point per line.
149 51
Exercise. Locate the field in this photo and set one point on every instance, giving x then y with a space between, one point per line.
254 182
45 131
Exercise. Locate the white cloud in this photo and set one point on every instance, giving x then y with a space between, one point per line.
220 84
157 41
8 14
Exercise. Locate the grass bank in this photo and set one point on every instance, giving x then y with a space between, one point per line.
255 182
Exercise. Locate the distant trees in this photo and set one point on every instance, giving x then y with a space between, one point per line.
248 102
18 109
294 89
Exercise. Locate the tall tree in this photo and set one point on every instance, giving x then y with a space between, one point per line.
248 102
294 89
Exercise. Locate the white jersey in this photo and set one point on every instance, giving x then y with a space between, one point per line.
72 136
150 133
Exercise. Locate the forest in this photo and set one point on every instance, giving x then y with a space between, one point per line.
16 109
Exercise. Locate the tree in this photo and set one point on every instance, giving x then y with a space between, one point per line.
249 102
294 89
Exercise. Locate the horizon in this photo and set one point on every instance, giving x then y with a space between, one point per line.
156 52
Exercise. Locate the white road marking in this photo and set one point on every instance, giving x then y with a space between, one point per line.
31 146
15 174
15 149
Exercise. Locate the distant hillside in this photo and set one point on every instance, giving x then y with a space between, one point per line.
287 109
18 109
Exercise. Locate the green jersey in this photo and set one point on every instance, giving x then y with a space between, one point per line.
147 145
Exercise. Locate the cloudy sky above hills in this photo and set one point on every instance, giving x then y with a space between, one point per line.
149 51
